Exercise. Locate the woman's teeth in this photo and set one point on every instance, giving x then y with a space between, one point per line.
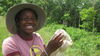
29 27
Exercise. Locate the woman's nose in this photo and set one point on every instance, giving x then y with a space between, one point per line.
30 21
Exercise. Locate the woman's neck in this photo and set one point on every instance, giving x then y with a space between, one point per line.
25 36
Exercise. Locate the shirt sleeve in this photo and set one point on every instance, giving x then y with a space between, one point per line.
40 38
41 42
9 47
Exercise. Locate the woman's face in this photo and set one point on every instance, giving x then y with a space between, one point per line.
27 22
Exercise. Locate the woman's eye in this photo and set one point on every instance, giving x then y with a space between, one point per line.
26 18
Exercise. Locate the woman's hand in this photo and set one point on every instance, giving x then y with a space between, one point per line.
54 44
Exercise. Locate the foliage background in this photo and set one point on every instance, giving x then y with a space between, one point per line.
80 18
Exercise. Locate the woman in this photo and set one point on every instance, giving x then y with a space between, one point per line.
23 21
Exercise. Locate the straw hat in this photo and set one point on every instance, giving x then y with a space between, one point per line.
10 18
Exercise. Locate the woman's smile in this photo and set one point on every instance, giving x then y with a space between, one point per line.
29 27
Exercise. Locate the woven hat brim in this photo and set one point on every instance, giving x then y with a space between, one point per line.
10 18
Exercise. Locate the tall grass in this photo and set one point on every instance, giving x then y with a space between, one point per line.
84 43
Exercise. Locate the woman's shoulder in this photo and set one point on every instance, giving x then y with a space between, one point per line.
9 39
35 33
38 36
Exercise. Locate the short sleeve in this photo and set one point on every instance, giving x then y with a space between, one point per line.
9 47
40 38
41 42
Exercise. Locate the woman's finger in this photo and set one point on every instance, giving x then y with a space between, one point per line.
57 36
60 37
60 43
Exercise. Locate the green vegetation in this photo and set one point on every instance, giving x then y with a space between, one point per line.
3 32
80 18
84 43
84 14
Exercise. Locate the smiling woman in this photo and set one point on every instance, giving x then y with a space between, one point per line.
23 20
26 22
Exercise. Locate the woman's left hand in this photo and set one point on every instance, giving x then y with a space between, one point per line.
54 44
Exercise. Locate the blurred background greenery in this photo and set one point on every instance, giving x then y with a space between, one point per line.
80 18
